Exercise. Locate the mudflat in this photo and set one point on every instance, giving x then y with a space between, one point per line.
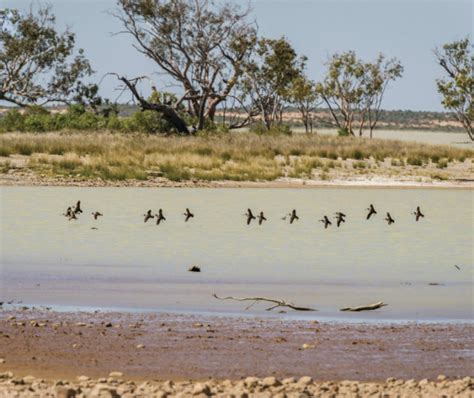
152 346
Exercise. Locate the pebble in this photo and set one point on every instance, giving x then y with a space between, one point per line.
140 346
116 375
305 380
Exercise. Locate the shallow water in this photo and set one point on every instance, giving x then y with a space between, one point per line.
126 264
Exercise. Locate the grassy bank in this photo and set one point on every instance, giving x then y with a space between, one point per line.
233 157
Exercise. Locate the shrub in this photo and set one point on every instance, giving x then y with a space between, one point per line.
277 129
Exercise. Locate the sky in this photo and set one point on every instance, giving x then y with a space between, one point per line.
406 29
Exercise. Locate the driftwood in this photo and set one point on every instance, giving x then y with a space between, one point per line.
278 303
369 307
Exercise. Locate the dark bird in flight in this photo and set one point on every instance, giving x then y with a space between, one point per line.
188 215
389 219
68 213
148 216
160 217
372 211
96 215
293 216
418 214
249 216
457 267
340 218
326 222
261 218
78 209
194 269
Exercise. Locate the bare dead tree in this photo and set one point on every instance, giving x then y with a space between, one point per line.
277 303
200 45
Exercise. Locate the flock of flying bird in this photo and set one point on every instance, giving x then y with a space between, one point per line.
73 212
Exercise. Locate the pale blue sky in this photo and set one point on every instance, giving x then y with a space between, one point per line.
407 29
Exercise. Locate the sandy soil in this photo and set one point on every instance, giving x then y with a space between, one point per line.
151 346
461 179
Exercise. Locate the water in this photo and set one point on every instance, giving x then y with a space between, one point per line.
126 264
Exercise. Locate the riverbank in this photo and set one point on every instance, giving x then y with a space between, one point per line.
152 346
241 159
461 180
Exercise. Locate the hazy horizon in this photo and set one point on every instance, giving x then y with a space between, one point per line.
408 30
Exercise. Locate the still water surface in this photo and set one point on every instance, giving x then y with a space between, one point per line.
126 264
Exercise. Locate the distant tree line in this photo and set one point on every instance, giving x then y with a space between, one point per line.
212 51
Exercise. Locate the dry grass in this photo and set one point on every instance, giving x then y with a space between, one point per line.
238 157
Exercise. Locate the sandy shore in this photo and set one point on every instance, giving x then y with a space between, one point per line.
31 179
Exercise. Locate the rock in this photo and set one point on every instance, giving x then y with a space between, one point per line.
81 324
288 380
82 379
6 375
65 392
306 346
2 360
305 380
441 378
140 346
116 375
28 379
103 391
423 383
270 382
251 382
201 388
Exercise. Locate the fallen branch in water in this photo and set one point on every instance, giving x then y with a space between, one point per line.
278 303
369 307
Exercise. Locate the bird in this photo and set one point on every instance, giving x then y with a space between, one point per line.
96 215
418 213
160 217
249 216
194 269
148 215
261 218
458 267
72 216
78 209
326 222
293 216
188 215
68 212
389 219
340 218
372 211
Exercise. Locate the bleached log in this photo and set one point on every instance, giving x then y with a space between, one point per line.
369 307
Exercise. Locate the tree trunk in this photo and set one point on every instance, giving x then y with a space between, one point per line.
168 112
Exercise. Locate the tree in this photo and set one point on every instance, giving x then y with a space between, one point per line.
37 64
342 89
457 87
378 76
354 90
269 75
303 95
200 45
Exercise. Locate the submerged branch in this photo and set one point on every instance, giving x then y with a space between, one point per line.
278 303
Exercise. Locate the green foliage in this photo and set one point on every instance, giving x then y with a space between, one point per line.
39 120
458 87
38 63
277 129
